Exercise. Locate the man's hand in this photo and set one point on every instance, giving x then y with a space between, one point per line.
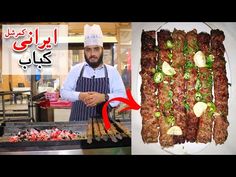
83 96
94 98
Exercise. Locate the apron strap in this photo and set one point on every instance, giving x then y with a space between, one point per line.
81 72
106 72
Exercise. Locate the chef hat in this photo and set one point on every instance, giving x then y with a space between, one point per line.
93 35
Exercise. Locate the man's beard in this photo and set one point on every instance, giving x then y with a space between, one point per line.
94 64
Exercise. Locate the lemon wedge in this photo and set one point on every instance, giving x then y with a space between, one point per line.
199 108
175 130
200 59
167 69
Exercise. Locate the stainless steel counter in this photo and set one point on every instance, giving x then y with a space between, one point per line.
101 151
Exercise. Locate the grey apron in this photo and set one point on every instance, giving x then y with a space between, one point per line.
79 111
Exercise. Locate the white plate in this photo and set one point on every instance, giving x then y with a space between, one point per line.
155 148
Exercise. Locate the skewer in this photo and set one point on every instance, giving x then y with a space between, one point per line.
166 119
220 132
205 92
97 133
102 130
90 131
123 128
150 123
178 84
115 132
191 86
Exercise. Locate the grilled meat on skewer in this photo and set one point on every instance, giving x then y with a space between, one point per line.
90 131
192 121
104 135
148 88
166 118
112 135
178 86
205 92
220 132
123 128
97 133
115 132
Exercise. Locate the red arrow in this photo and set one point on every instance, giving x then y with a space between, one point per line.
130 102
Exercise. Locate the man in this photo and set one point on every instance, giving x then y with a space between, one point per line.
90 84
126 77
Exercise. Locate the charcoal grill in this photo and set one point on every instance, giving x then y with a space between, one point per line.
80 146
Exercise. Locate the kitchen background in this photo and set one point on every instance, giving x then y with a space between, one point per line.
117 45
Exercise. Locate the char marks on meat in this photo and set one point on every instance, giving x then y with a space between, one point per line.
169 101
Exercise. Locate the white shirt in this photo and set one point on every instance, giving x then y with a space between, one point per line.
117 88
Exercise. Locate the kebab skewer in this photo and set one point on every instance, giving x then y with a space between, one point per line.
148 88
204 94
178 84
192 85
220 132
165 72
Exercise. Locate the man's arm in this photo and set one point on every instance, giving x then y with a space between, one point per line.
68 89
117 88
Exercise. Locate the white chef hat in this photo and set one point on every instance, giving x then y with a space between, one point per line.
93 35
